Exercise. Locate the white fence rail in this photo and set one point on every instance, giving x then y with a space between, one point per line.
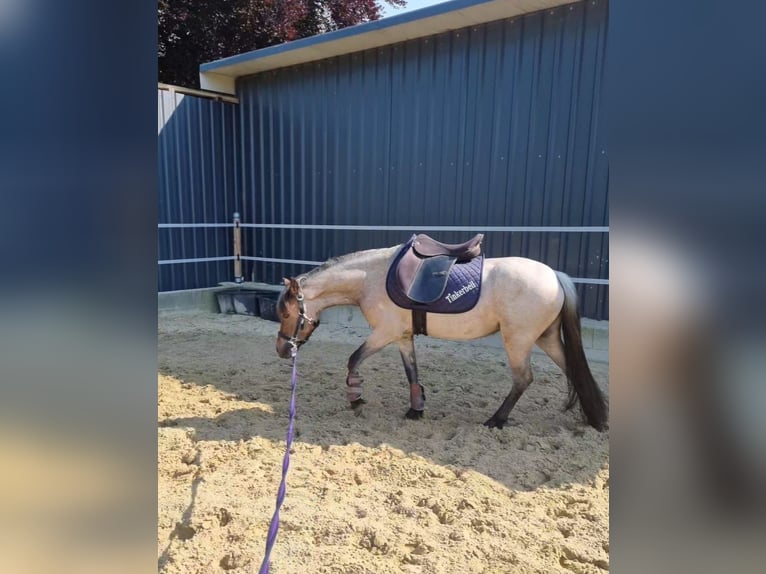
479 228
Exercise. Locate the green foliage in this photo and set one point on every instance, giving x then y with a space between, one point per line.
192 32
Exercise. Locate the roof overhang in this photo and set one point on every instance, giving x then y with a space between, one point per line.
221 75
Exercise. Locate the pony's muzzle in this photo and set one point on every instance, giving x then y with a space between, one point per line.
283 349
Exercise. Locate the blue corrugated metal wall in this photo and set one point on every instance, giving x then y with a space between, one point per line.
199 176
498 124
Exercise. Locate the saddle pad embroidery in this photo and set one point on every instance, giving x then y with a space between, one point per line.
460 294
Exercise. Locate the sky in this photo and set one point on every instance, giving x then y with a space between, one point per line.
411 5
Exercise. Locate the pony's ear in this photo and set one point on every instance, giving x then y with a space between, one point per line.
293 286
286 281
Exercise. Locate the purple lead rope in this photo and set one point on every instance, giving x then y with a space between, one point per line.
274 526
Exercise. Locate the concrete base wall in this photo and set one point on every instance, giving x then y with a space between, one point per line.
203 299
595 333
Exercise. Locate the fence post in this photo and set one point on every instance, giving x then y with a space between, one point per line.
238 278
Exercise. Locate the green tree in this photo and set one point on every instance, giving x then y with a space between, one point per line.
195 31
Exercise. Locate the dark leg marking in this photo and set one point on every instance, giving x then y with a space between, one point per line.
358 403
417 393
522 377
412 414
353 379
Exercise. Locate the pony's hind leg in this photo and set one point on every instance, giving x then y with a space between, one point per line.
374 343
551 344
417 394
518 356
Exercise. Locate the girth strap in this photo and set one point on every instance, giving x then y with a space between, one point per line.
419 322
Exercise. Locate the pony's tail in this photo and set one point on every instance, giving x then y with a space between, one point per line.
582 385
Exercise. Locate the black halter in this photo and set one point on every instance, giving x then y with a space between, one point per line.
302 320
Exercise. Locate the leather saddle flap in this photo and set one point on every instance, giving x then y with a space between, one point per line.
430 280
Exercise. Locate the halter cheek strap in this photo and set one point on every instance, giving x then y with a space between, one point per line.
303 318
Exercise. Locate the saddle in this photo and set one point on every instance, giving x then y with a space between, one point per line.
428 276
426 246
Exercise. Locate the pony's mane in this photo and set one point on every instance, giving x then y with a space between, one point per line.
333 261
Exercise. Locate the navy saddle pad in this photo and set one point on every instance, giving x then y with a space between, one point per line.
435 284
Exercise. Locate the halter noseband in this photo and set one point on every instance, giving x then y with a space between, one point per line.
303 318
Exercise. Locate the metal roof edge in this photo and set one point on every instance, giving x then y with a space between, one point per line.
221 75
210 94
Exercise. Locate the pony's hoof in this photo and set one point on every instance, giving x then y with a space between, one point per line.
495 423
412 414
358 403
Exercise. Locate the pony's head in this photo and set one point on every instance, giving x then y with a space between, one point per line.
296 325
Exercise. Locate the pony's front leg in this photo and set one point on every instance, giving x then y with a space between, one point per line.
374 343
417 394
